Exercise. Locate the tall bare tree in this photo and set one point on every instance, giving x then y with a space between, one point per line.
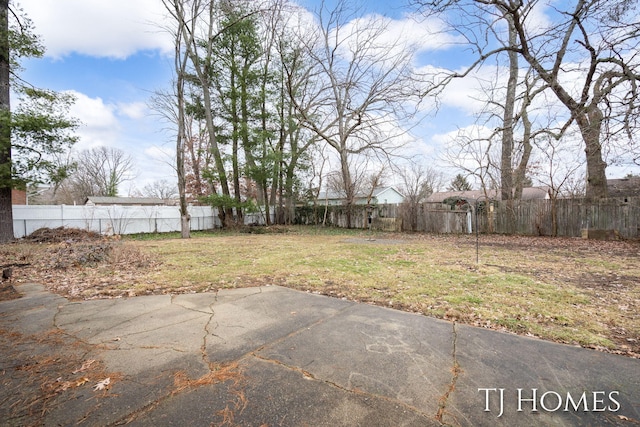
161 189
587 55
100 171
197 24
362 88
559 169
476 152
417 183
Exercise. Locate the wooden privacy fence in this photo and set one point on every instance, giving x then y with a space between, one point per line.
562 217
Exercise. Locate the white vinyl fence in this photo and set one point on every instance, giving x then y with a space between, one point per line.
110 219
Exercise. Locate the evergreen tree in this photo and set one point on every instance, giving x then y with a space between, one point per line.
31 137
460 183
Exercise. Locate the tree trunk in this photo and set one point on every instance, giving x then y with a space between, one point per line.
348 186
588 117
508 121
180 63
6 209
590 125
521 170
202 71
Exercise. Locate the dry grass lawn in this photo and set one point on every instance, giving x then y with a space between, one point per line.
567 290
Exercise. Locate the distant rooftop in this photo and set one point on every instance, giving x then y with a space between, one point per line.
128 201
624 187
529 193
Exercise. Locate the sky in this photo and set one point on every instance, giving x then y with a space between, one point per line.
112 56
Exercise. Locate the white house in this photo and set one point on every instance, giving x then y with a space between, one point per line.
377 196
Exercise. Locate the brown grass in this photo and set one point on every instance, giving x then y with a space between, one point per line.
568 290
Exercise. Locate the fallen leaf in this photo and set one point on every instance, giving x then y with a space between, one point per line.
82 381
102 384
84 366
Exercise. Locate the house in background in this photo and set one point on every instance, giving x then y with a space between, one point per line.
529 193
379 196
127 201
18 197
624 187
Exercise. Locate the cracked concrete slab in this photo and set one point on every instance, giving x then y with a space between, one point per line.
510 362
34 312
242 325
135 334
274 395
376 351
275 356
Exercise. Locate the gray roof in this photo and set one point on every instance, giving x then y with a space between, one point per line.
137 201
625 187
339 195
529 193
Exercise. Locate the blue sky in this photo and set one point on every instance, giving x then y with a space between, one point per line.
109 53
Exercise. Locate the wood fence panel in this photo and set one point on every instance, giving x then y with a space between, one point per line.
525 217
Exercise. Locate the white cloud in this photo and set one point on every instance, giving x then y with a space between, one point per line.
101 28
99 124
463 93
423 34
133 110
160 153
384 39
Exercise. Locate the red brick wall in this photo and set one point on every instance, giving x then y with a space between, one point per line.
18 197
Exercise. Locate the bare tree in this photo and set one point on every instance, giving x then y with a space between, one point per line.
100 171
196 23
587 55
561 170
161 189
475 151
362 89
418 183
172 105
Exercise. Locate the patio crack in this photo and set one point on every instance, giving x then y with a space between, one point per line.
311 377
455 372
203 349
